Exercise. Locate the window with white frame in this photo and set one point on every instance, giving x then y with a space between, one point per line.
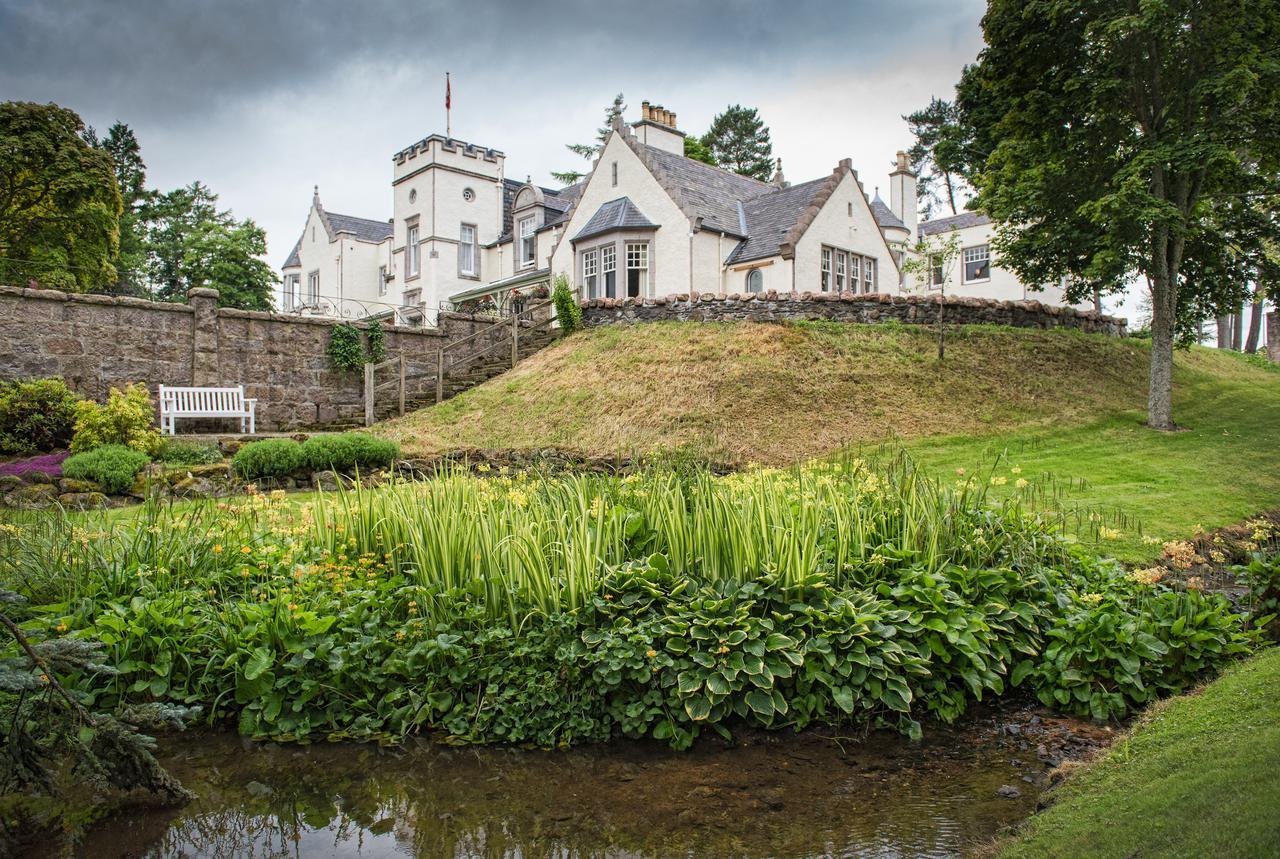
936 274
855 272
467 249
609 270
755 280
977 263
291 296
591 273
527 242
842 262
826 269
637 269
313 288
412 252
382 280
869 274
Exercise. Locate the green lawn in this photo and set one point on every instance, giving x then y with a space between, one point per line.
1198 776
1221 469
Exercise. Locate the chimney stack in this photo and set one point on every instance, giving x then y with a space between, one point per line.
657 127
902 193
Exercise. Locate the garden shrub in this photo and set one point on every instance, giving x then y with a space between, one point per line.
348 451
346 348
565 301
188 453
112 466
272 457
127 419
35 416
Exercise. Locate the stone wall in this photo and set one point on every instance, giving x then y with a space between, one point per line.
96 342
845 307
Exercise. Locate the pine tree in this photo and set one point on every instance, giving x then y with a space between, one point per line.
739 141
590 151
131 176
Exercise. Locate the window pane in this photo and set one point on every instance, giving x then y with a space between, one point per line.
755 280
826 269
609 267
977 263
842 260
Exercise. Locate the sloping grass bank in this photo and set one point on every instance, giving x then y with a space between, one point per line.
777 394
1220 469
1198 776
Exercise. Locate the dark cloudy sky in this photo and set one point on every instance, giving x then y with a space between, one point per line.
261 99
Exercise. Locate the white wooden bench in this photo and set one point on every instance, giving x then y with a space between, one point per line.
205 403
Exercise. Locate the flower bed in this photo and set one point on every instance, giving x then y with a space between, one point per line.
571 609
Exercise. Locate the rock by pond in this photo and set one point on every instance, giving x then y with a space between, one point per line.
766 794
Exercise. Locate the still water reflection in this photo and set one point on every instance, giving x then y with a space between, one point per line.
778 795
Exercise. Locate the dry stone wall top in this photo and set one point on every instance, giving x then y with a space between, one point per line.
845 307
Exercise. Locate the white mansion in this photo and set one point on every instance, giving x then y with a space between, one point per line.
646 221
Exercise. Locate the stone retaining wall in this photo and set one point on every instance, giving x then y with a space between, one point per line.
96 342
845 307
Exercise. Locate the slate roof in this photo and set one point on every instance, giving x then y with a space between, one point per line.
364 229
557 203
885 218
768 217
962 221
708 191
619 214
294 259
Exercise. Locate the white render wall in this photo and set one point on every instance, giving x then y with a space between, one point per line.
440 177
670 245
835 227
348 268
1003 285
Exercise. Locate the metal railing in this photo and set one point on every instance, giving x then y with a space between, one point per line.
356 309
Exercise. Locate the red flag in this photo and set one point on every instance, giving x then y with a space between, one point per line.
448 92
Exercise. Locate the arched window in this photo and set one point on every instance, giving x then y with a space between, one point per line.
755 280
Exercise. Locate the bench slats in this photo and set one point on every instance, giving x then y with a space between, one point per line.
194 402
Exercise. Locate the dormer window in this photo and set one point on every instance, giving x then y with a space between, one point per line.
528 242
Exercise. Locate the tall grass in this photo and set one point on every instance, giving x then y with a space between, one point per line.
543 545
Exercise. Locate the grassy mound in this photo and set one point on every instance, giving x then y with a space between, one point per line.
775 394
1056 404
1197 777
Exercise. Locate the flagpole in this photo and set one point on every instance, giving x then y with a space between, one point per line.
448 107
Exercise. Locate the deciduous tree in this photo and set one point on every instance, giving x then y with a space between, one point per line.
1103 133
59 203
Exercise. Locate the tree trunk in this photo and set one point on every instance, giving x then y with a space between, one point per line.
1255 319
1224 332
951 191
1237 329
1160 383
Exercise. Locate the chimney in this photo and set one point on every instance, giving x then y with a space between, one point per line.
657 128
902 193
778 180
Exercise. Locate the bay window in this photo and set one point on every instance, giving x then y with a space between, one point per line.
637 269
609 270
590 273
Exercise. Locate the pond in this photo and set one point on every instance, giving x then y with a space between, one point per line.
766 794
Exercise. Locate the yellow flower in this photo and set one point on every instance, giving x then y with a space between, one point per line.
1015 470
62 627
999 480
217 550
1109 533
651 653
245 550
1022 483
